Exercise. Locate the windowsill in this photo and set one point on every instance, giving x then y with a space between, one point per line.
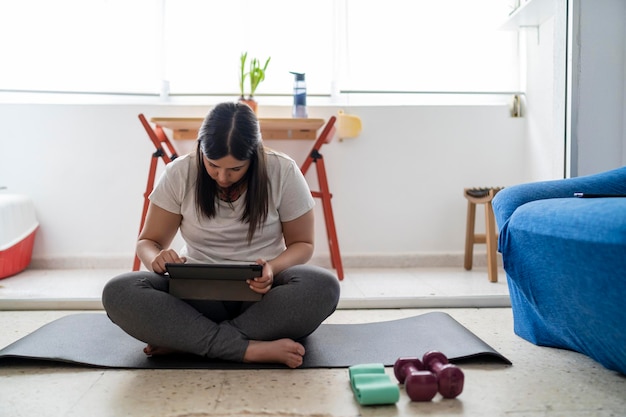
347 99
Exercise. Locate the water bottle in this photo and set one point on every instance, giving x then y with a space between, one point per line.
299 95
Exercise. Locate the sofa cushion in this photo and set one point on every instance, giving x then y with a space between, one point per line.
565 260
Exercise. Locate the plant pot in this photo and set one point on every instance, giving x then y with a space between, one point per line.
250 102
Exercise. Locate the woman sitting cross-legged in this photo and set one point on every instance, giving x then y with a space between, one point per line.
233 201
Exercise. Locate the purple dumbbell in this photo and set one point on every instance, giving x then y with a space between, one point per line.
420 385
450 376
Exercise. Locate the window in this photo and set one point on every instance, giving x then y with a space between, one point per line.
428 45
203 46
74 45
121 46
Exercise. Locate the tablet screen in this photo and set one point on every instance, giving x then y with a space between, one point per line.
222 282
237 272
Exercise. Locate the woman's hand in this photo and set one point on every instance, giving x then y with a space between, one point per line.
163 257
263 283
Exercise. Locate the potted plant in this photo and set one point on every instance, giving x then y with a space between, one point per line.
256 74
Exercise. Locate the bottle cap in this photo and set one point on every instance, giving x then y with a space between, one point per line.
299 75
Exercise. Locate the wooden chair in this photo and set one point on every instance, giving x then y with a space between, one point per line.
165 151
490 237
315 157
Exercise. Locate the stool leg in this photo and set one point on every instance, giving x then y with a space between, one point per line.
469 235
492 243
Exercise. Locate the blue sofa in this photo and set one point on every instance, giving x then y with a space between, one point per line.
565 261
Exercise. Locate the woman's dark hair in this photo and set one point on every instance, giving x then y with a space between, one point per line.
233 129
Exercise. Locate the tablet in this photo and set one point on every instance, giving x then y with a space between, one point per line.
225 282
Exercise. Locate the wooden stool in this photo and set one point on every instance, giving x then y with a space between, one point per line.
490 237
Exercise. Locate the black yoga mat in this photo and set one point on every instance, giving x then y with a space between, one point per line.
91 339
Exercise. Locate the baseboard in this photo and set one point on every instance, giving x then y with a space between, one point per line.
82 262
470 301
405 260
368 303
373 260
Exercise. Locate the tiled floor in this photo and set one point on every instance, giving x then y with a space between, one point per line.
541 382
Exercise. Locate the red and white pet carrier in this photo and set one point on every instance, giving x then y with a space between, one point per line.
18 226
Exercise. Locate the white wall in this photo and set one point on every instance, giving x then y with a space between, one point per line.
545 94
598 83
576 89
398 188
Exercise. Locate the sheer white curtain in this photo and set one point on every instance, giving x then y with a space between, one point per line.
131 46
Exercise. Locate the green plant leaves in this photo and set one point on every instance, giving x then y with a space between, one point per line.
256 73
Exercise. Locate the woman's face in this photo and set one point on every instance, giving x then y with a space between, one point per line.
225 171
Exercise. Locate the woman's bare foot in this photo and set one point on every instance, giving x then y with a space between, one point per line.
285 351
156 350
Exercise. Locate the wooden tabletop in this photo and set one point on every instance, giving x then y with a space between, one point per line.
184 128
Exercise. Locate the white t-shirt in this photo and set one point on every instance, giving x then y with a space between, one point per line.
224 237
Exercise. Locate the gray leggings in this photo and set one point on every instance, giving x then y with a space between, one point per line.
300 299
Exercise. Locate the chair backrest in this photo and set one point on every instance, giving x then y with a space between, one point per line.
327 135
158 138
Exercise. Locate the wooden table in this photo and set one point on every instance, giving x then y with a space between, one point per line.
186 128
